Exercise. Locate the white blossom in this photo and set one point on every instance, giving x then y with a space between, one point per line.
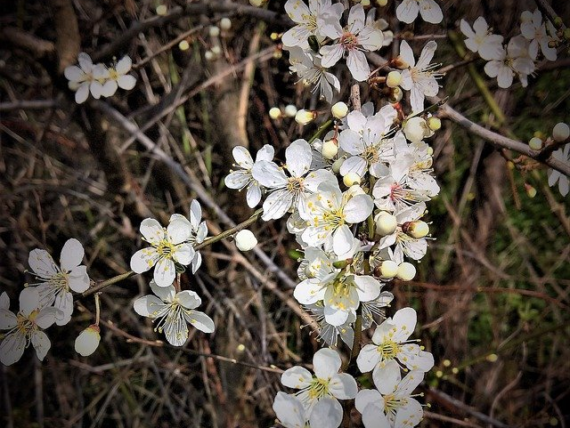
326 382
562 155
293 191
392 404
534 30
357 37
390 345
118 77
25 327
480 39
55 283
419 78
242 177
88 341
167 247
408 10
171 312
88 77
198 230
291 413
517 59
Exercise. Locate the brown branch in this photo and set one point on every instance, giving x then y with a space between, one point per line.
499 140
68 42
39 47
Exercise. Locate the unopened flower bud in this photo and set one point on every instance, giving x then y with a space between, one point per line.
209 55
530 190
558 22
161 10
406 271
339 110
245 240
216 50
274 113
225 24
330 149
567 33
389 269
400 63
351 178
393 79
214 31
365 3
183 45
337 164
414 129
434 123
257 3
526 16
88 340
535 143
560 132
416 229
304 117
386 223
290 110
381 3
396 95
355 190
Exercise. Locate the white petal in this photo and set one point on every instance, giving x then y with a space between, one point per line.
288 408
63 302
368 287
42 263
238 179
331 54
184 254
406 52
12 348
351 141
466 29
268 174
343 386
176 331
299 157
356 19
7 319
201 321
164 273
358 65
87 342
148 306
242 157
166 294
82 93
335 316
144 259
342 239
85 62
374 417
109 88
253 195
427 54
276 205
297 10
405 321
195 213
296 377
505 77
368 358
29 300
366 397
74 73
124 65
189 299
127 82
326 363
407 11
430 11
179 230
4 301
266 153
358 209
309 291
41 344
152 231
96 89
327 413
78 279
409 415
386 377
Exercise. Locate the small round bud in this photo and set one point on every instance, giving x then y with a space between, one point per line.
209 55
304 117
354 190
225 24
492 358
526 16
216 50
406 271
535 143
393 79
257 3
339 110
567 33
381 3
274 113
446 363
365 3
530 190
161 10
245 240
414 129
560 132
184 45
386 223
396 95
389 269
558 22
416 229
88 340
290 110
434 123
351 178
214 31
330 149
274 36
337 164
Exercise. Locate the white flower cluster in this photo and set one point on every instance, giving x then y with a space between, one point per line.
100 80
43 303
171 251
519 56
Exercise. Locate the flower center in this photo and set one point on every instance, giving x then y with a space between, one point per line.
388 350
333 219
295 185
371 155
59 281
166 249
393 403
349 41
319 388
